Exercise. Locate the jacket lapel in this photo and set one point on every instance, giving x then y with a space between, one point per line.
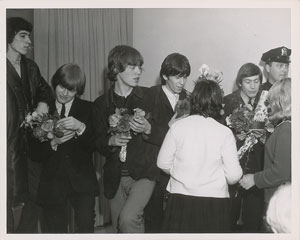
74 107
164 100
12 71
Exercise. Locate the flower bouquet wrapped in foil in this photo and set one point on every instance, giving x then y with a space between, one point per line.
119 125
183 106
254 123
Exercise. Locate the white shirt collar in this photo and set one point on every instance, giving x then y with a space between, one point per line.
173 98
68 106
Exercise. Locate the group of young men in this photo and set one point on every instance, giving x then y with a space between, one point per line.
135 188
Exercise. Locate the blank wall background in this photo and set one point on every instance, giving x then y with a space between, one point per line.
224 39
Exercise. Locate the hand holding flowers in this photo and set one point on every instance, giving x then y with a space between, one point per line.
70 126
68 134
42 108
241 136
118 140
138 123
250 126
70 123
247 181
120 125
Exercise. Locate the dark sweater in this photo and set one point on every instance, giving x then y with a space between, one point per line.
277 168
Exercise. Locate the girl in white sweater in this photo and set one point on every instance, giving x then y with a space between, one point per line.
200 155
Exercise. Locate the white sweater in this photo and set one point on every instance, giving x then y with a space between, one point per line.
201 156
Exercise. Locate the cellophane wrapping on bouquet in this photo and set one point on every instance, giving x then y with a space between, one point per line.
243 119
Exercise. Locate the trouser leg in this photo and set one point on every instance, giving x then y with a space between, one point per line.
84 208
56 218
116 205
154 210
10 219
31 212
30 215
253 204
131 218
235 210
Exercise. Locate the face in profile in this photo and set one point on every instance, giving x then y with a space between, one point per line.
130 76
175 83
21 43
64 95
250 86
277 71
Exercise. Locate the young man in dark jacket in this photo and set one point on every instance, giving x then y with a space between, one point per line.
26 90
68 173
174 72
247 206
128 184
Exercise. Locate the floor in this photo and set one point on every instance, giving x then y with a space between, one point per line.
107 228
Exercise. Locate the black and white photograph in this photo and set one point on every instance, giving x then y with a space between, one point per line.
150 120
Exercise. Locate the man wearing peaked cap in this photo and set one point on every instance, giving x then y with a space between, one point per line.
277 65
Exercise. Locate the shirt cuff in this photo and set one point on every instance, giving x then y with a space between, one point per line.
80 131
53 146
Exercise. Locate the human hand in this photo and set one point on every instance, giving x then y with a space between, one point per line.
42 108
68 134
174 119
140 125
118 140
70 123
247 181
258 133
241 136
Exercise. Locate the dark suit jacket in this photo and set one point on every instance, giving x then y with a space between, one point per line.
162 112
70 168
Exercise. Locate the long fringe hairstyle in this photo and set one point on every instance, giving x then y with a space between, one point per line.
279 98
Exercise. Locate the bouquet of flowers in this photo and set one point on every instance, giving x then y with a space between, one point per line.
244 120
214 75
44 127
183 106
119 125
207 74
240 120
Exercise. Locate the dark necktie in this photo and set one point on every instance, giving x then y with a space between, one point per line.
250 103
63 111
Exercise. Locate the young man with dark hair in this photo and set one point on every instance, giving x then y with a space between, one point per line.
128 185
26 90
174 72
68 174
246 205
